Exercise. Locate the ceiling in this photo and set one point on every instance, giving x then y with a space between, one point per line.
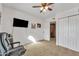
27 7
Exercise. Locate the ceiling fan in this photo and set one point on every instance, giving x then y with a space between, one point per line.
44 7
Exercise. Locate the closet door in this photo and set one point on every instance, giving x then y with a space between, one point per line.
77 32
62 33
72 32
65 32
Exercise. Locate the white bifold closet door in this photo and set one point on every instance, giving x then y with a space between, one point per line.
63 32
60 32
72 32
77 32
66 32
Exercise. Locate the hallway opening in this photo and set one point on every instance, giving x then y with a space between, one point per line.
53 31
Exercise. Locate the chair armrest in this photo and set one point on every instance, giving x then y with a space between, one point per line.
15 43
12 44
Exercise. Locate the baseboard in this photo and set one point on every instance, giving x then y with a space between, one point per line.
67 47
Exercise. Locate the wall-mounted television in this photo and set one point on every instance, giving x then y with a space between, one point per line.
20 23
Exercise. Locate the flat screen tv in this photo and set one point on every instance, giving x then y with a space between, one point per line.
20 23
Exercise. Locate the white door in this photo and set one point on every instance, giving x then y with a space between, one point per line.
61 32
66 31
72 32
77 32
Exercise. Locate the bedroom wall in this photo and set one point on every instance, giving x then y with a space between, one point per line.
20 34
47 28
0 16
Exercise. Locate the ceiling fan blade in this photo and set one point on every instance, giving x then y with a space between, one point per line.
50 3
49 9
36 6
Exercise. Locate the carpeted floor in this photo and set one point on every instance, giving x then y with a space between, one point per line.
48 48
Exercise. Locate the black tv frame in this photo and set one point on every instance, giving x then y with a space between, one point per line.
20 23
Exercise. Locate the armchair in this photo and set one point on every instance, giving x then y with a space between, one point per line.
7 47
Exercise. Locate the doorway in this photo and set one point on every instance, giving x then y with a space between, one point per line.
53 31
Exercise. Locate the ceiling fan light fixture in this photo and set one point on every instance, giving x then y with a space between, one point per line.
44 10
46 7
41 8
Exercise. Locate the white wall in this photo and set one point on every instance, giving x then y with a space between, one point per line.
47 28
0 7
0 16
67 29
20 34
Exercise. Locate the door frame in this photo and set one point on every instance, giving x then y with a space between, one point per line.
54 22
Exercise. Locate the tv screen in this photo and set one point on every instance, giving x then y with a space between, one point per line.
19 23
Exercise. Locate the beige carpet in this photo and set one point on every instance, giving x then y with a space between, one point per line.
48 48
